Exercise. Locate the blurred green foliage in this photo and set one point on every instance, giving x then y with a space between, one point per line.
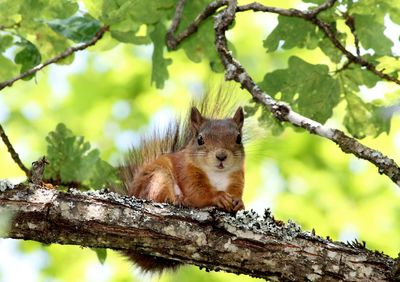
107 98
72 161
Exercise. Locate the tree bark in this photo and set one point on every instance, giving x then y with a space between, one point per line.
243 243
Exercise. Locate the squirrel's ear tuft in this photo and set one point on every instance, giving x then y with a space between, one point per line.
238 118
196 118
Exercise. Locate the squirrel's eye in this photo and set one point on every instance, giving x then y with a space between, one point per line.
239 139
200 140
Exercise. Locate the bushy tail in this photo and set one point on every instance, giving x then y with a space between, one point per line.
173 139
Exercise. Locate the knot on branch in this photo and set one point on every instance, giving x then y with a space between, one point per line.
280 110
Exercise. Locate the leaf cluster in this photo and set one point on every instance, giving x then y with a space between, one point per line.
72 161
315 90
32 31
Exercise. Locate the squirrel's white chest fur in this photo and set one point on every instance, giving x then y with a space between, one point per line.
220 180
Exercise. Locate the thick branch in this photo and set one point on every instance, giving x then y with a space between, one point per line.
56 59
242 244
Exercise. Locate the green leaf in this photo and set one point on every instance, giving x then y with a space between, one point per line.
308 88
9 12
319 2
28 57
363 119
78 29
268 121
94 7
7 68
5 42
148 12
32 10
330 50
71 160
292 32
377 8
130 37
60 9
353 77
70 157
159 71
126 31
103 174
370 33
51 44
251 108
101 254
200 45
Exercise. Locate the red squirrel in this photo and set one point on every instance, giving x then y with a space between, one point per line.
199 166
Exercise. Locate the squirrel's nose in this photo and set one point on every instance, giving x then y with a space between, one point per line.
221 156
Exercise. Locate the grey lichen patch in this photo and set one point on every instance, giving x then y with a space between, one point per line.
65 209
250 225
6 185
92 212
242 77
40 195
230 71
201 216
115 214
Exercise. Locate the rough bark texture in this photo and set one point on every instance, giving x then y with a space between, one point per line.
242 244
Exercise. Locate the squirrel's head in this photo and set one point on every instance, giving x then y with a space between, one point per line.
217 143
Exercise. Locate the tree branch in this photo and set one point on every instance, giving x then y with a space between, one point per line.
173 41
242 244
57 58
325 28
235 71
13 153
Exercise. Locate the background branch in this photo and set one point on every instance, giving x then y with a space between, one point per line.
173 40
13 153
56 59
242 244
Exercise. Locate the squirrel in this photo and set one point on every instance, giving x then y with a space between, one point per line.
198 164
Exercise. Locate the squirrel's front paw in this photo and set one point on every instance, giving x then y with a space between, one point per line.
238 205
223 200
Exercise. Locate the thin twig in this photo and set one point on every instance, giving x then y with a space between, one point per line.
177 17
13 153
349 20
173 41
57 58
235 71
